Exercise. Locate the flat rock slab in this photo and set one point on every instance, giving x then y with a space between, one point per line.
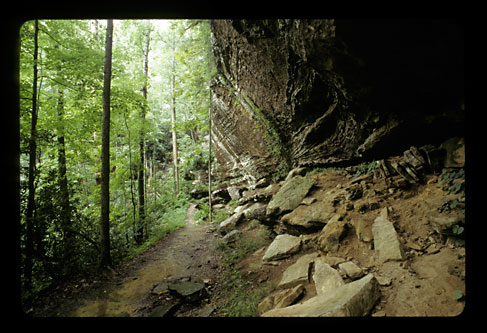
316 214
290 195
281 298
354 299
299 271
189 291
165 310
386 243
282 247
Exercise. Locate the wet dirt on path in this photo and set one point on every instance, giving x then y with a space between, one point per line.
188 252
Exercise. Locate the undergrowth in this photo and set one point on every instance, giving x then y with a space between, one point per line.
241 296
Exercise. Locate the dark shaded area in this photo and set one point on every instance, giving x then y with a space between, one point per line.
412 65
411 70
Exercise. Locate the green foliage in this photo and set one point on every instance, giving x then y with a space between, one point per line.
452 181
71 59
457 230
365 168
241 296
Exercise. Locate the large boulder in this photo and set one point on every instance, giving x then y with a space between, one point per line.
316 214
290 195
354 299
282 247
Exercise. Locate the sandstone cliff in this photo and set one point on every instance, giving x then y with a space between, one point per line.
320 92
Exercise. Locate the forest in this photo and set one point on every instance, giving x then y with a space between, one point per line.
114 126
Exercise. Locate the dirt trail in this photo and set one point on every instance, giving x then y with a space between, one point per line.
186 252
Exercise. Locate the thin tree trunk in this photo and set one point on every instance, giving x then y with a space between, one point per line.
63 183
29 242
141 178
132 195
106 259
173 125
209 160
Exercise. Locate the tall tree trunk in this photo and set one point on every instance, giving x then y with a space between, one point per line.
106 259
209 159
63 184
132 195
29 242
141 178
209 125
173 123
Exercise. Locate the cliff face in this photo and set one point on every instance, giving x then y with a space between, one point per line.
320 92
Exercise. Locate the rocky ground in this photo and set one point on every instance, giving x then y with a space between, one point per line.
362 243
378 239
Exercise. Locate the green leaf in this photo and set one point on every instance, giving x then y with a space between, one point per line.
458 295
457 230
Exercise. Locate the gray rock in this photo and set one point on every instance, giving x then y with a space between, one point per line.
354 299
241 208
189 291
206 311
386 242
255 211
234 192
165 310
281 299
289 195
230 223
310 216
160 288
326 279
232 236
282 247
363 229
332 233
351 270
299 271
332 261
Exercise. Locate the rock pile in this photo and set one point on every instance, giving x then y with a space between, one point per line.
415 162
306 215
